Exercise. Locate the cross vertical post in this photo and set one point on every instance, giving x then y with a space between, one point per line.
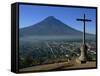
84 31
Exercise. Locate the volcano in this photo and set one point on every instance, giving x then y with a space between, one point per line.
50 26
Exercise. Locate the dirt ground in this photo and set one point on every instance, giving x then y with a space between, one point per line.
59 66
85 65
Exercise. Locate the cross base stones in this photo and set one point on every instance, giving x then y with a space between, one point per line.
83 57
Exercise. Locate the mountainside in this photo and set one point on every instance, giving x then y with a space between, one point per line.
49 27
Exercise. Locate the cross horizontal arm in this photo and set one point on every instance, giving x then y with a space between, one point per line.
87 20
80 19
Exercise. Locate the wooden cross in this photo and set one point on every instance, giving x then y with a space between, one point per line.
84 20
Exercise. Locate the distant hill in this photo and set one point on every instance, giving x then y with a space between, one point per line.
50 26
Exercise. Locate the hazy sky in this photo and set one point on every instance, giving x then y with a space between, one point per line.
32 14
